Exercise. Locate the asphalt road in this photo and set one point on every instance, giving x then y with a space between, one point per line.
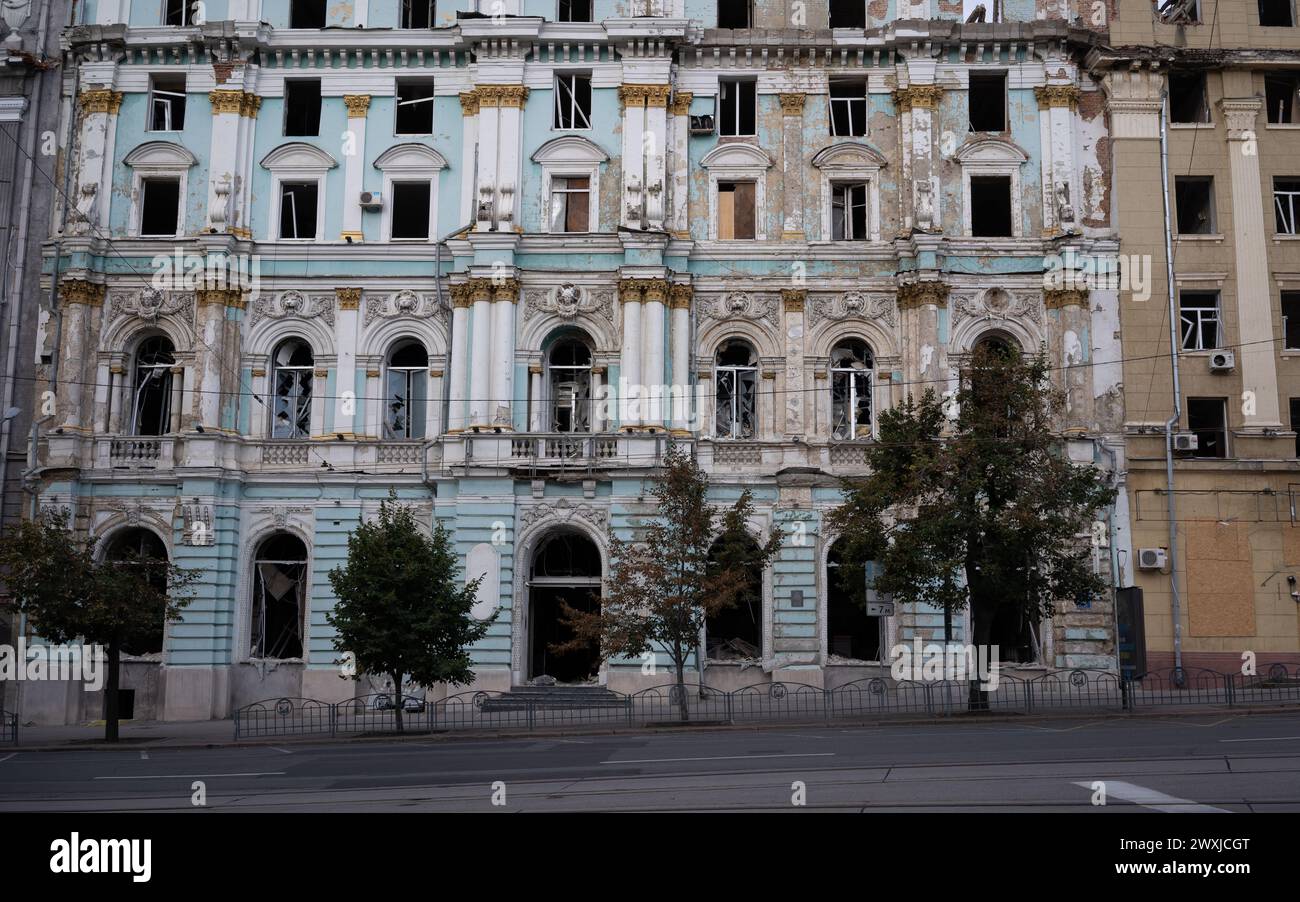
1208 763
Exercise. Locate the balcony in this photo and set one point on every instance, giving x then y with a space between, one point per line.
135 452
555 451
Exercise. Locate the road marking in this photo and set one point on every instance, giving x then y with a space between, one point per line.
1265 739
265 773
7 757
720 758
280 750
144 756
1065 729
1149 798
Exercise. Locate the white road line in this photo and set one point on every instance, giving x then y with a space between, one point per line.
1266 739
719 758
7 757
1149 798
280 750
265 773
144 756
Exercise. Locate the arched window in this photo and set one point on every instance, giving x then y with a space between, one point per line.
294 368
851 370
151 387
736 375
569 380
407 391
736 631
141 545
279 597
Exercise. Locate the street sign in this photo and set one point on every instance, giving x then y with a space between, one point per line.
880 609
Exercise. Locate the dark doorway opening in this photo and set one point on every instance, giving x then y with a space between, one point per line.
736 632
850 633
566 570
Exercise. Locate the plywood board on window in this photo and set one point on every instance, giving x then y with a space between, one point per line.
1220 587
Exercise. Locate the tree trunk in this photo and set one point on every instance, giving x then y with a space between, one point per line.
680 666
981 617
401 702
110 692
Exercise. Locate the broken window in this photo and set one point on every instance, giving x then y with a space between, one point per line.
1295 423
1193 196
569 376
411 210
294 369
1179 12
160 207
850 632
736 375
736 631
975 12
302 107
307 14
987 99
1280 97
1208 418
1286 204
1187 97
178 12
166 103
566 570
1276 13
298 209
151 387
417 13
407 392
1198 312
570 203
848 14
142 548
738 107
575 11
736 212
990 206
849 211
734 14
414 114
573 101
1291 320
849 108
279 597
851 366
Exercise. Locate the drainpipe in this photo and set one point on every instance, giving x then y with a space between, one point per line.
1176 413
446 382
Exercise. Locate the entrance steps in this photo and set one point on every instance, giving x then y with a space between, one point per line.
554 698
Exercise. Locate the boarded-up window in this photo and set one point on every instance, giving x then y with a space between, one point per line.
736 210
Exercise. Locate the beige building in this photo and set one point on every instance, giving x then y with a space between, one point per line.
1229 72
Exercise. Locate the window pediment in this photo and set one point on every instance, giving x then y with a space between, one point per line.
298 157
570 149
735 157
989 152
160 155
410 158
849 155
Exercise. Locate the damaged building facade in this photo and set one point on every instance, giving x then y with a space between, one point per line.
313 253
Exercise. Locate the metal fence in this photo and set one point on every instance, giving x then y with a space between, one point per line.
8 726
1081 690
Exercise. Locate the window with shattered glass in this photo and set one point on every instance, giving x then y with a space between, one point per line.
569 370
151 389
406 391
736 375
279 598
851 369
572 101
292 379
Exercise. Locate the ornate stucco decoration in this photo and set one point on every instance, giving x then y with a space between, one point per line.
924 97
743 305
568 302
878 306
997 303
293 303
348 298
644 95
79 291
101 101
358 105
564 511
794 299
919 294
1056 298
681 103
792 104
1048 96
401 303
150 304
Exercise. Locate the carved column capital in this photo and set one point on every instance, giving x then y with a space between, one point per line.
793 299
358 105
792 104
919 294
101 100
348 298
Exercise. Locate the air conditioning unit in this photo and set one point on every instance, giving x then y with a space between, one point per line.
1151 559
1185 441
702 125
372 200
1223 361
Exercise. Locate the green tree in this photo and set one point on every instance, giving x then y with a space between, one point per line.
981 509
663 587
68 595
399 611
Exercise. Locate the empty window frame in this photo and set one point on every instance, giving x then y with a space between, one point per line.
414 109
160 207
1208 418
987 101
279 598
1188 101
410 210
848 108
734 14
178 12
849 211
851 367
151 387
1291 320
417 13
848 14
1295 423
298 202
736 374
737 107
1179 12
1286 205
306 13
406 391
574 11
570 203
293 368
737 216
573 101
569 379
1198 313
1280 97
166 103
990 206
1194 199
302 107
1276 13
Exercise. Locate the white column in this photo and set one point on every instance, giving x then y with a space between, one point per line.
116 374
258 423
456 413
656 163
790 421
630 372
480 383
103 397
433 405
223 168
346 328
680 305
374 425
679 158
210 327
535 412
489 133
503 353
1059 102
354 166
652 355
469 143
319 389
178 388
241 215
634 99
792 178
94 174
510 160
597 411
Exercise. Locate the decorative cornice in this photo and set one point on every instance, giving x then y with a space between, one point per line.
348 298
679 297
919 294
79 291
1056 298
225 101
501 95
681 103
793 299
1066 96
101 100
223 297
644 95
469 103
792 104
924 97
358 105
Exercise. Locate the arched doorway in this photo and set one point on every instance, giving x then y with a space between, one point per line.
566 569
279 597
850 633
141 545
736 632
